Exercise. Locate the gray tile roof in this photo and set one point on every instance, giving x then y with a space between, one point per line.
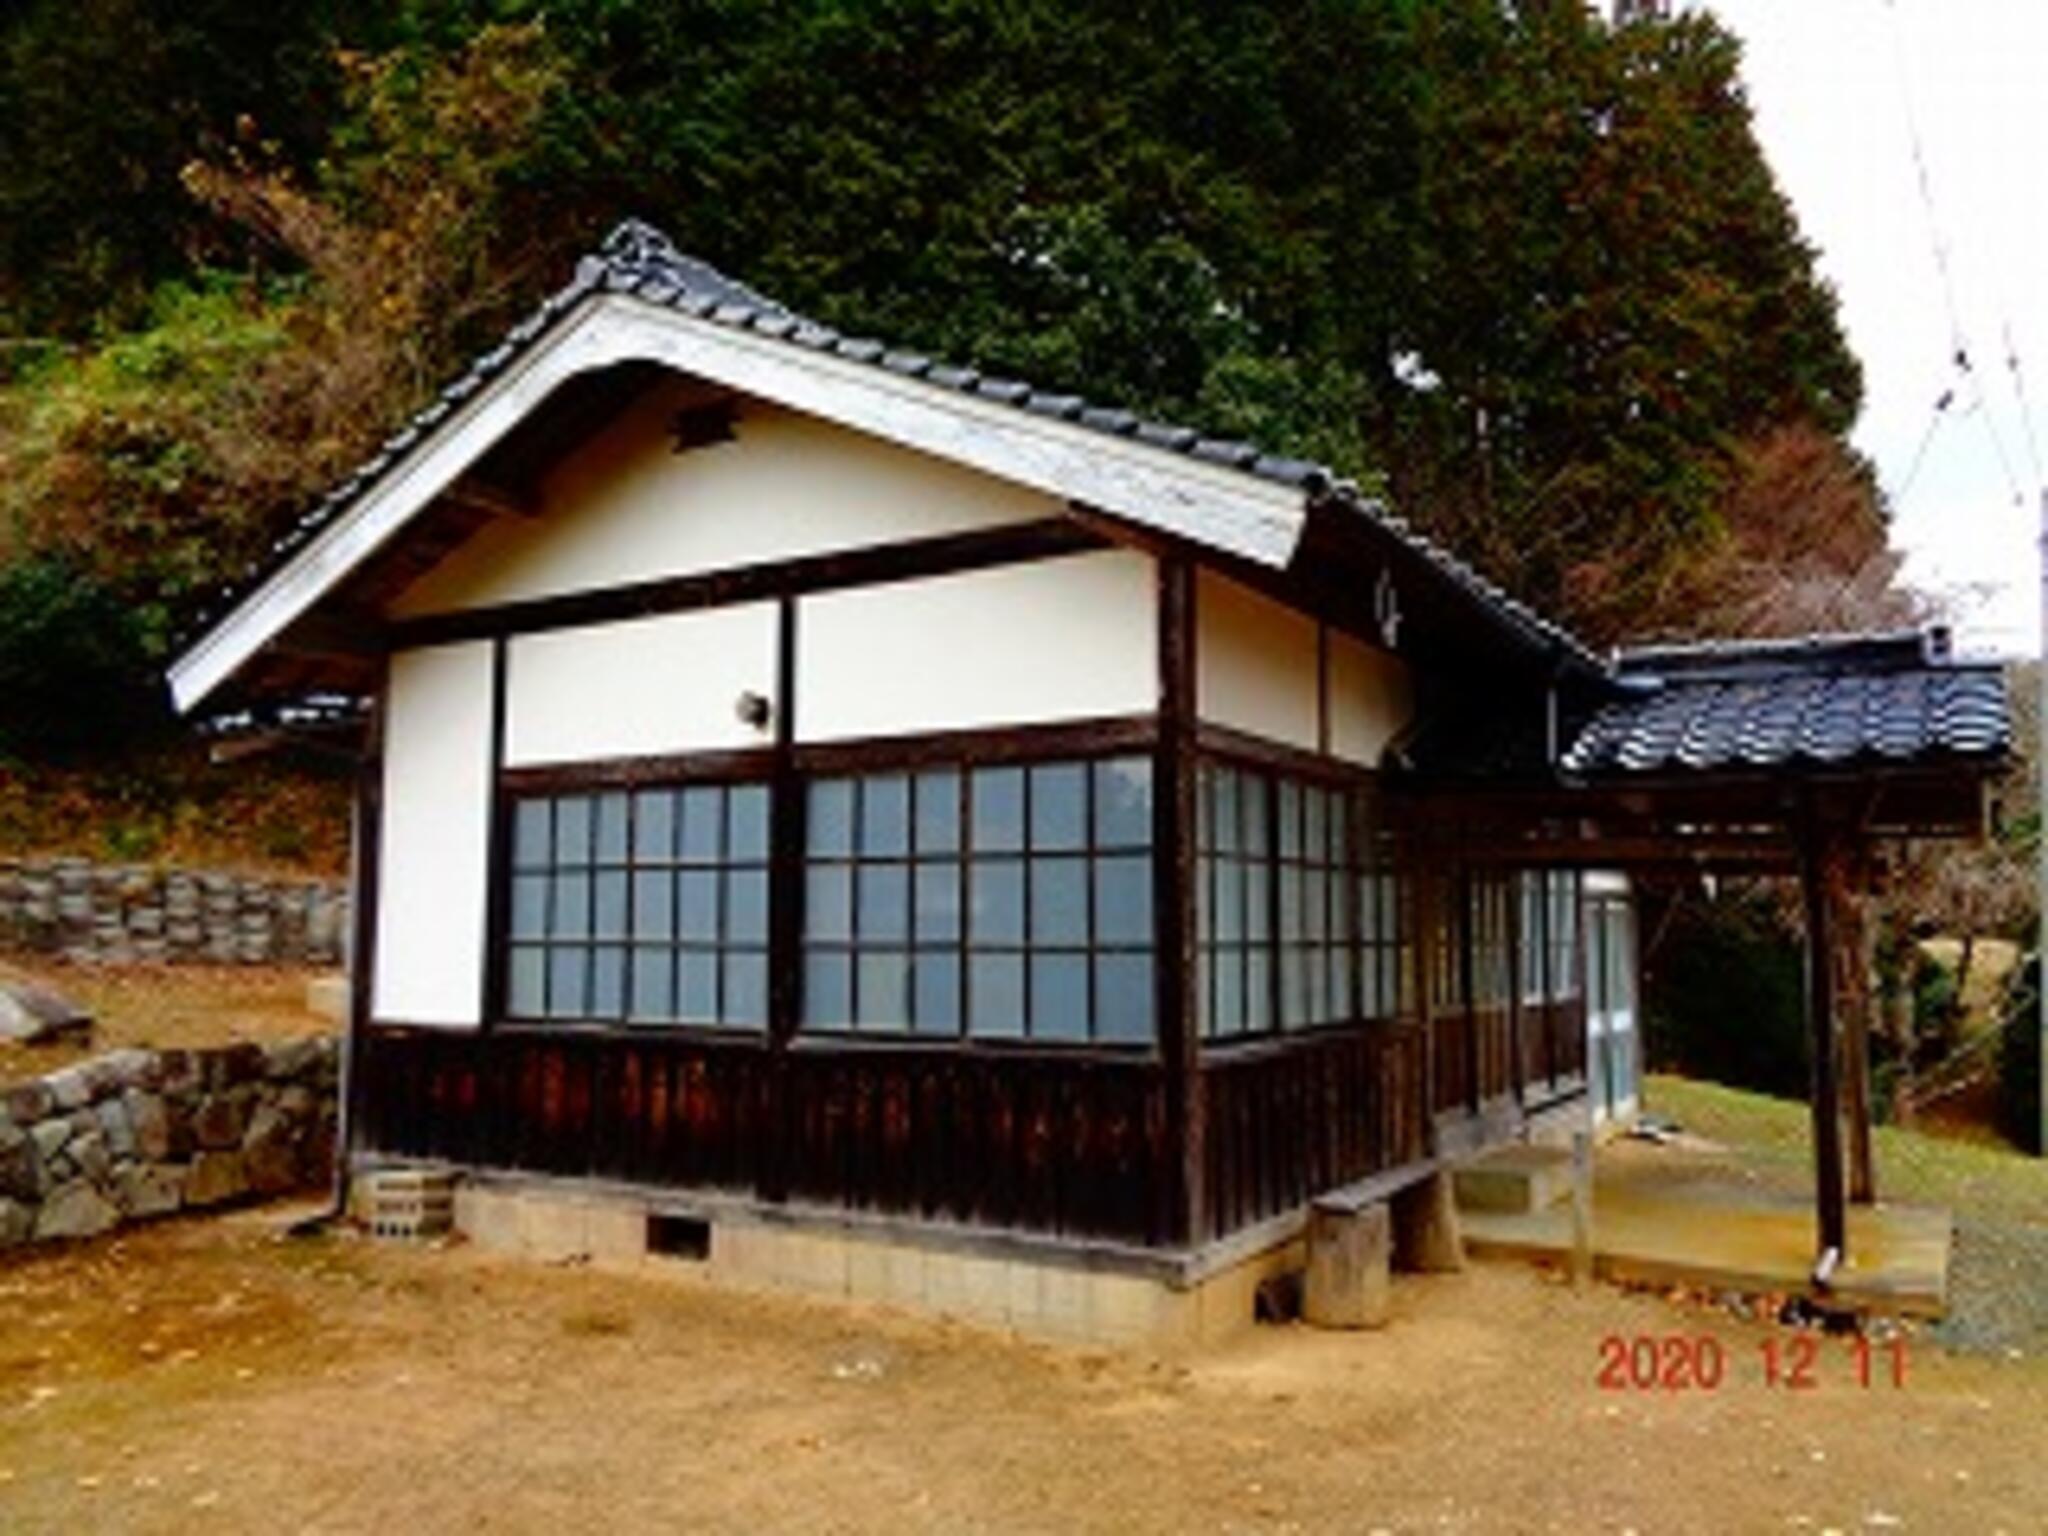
640 260
1831 701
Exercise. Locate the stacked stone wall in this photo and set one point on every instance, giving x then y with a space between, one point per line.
135 1134
113 914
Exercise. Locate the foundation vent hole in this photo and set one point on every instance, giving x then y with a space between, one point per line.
679 1237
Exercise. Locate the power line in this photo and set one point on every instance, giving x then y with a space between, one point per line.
1959 345
2019 390
1941 405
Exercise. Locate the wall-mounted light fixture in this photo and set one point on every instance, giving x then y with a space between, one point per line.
754 710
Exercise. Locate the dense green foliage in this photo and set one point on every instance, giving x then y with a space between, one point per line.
2019 1058
1723 998
1528 270
72 666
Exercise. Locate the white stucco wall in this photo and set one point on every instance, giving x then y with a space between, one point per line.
640 687
435 838
1065 639
1371 699
626 507
1256 672
1255 664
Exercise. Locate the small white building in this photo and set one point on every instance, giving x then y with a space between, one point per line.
813 792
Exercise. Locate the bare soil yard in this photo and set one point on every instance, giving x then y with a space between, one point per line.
169 1007
205 1374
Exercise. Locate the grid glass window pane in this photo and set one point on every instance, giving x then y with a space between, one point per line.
745 996
938 902
697 985
603 924
607 981
654 826
1059 996
885 816
998 810
611 828
654 904
572 830
746 824
882 901
938 811
608 910
986 901
527 992
1059 806
703 812
935 1002
829 819
697 905
1123 899
996 901
746 907
1123 996
883 990
1059 901
533 837
529 906
1295 927
653 982
828 988
828 902
1123 803
996 995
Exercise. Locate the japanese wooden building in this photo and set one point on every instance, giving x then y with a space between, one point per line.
811 789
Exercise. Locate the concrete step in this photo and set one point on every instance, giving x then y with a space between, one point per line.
1515 1180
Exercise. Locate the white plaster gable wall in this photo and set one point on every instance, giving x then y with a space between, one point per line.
1371 701
626 507
640 687
1071 638
1256 671
435 839
1255 664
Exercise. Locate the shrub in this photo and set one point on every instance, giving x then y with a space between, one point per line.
1724 1000
2019 1057
73 669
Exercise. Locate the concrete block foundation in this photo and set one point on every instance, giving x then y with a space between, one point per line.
1036 1290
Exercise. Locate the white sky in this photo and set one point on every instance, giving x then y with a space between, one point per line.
1829 81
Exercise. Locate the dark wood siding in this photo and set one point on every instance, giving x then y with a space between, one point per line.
1290 1119
1066 1144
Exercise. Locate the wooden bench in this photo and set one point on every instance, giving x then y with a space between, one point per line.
1358 1233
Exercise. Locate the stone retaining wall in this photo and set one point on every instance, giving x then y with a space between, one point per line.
113 914
135 1134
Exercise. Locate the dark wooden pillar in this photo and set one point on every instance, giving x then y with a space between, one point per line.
777 1116
366 840
1174 871
1820 852
1425 988
1847 877
1518 1052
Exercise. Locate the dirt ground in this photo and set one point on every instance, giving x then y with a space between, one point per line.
209 1371
166 1006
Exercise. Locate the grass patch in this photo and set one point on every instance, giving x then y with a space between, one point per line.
1772 1138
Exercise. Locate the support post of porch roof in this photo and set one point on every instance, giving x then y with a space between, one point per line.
1819 848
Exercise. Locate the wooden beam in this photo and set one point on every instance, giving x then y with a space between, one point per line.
1852 988
788 813
325 635
942 554
1174 871
365 882
1821 849
473 493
